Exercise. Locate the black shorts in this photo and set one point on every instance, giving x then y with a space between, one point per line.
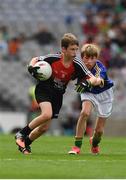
51 95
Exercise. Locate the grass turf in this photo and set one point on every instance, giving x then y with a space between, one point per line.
50 160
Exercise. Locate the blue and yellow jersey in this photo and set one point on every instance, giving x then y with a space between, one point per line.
99 70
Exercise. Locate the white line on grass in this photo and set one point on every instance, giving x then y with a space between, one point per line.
61 160
49 160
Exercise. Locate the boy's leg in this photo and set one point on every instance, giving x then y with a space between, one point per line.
95 140
81 127
37 132
45 116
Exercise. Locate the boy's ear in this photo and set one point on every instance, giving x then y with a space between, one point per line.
63 49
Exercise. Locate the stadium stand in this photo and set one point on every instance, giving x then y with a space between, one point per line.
24 17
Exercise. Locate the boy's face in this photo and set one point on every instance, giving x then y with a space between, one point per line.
89 61
71 51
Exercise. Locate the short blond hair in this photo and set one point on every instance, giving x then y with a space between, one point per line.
90 50
69 39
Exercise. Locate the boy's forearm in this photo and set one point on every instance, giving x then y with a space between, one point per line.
96 81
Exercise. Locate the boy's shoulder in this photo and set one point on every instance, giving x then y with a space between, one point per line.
100 64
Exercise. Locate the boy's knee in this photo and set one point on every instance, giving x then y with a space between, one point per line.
46 116
84 114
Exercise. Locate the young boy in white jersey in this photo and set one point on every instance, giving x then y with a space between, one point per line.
100 97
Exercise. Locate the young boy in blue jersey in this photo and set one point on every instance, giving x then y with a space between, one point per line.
100 97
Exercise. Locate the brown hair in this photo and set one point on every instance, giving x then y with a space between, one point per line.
90 50
69 39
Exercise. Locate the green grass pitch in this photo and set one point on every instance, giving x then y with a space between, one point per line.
50 160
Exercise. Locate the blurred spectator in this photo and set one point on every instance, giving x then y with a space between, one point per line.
89 39
103 21
106 54
3 49
4 33
14 48
69 22
22 37
117 62
91 6
44 36
3 42
120 39
89 27
106 5
123 4
113 31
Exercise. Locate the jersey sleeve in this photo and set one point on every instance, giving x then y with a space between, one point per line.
81 70
103 71
50 58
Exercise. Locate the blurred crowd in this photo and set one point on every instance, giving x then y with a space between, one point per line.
104 23
100 22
